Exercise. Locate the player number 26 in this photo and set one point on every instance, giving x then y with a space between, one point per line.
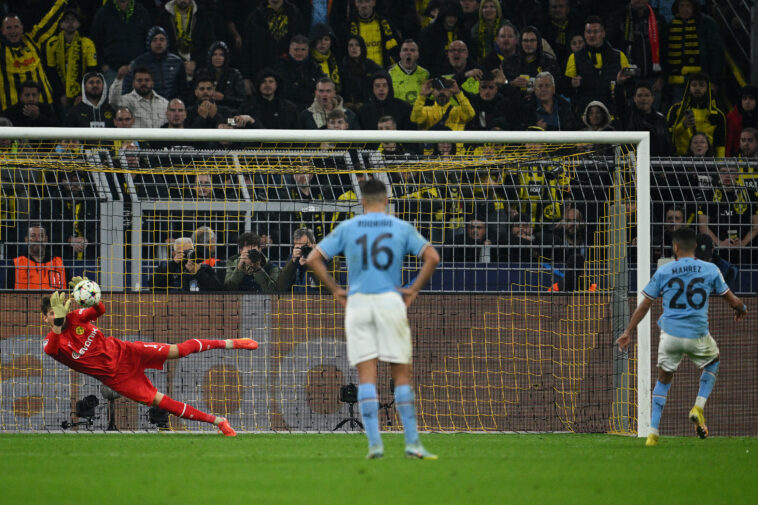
692 292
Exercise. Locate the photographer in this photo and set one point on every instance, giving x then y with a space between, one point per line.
295 275
186 270
250 270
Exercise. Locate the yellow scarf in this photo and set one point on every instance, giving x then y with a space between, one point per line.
183 36
328 64
278 24
68 59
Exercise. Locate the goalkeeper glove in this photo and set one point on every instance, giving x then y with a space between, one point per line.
76 280
60 305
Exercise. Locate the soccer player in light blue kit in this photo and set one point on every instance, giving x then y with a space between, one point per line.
376 321
685 285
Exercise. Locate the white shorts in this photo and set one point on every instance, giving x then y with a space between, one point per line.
376 326
672 349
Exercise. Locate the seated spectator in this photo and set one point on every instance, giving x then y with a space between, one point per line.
119 29
299 73
748 143
267 104
547 110
295 277
382 102
185 271
697 112
322 42
674 219
166 68
742 116
206 113
485 30
470 243
596 117
37 267
250 270
393 148
176 114
125 148
29 111
506 47
520 242
147 107
642 117
406 74
565 244
229 87
93 111
356 73
442 112
460 68
325 100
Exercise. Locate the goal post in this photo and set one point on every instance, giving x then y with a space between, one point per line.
520 341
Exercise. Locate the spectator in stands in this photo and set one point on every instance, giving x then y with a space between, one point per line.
147 106
176 114
21 58
697 112
541 189
189 28
596 117
308 187
524 13
388 123
125 119
729 215
406 74
442 112
29 110
469 13
506 46
69 57
642 117
337 120
206 247
250 270
483 33
561 24
206 113
166 68
168 274
383 103
530 60
268 34
700 146
322 42
436 38
119 30
461 68
295 276
749 143
299 73
382 41
547 110
520 243
591 71
228 81
493 108
565 245
37 268
674 219
325 100
470 243
356 73
702 52
93 111
268 106
743 115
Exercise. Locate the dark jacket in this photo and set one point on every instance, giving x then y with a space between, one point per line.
434 39
279 113
543 62
171 276
86 112
228 80
596 83
374 109
507 113
566 116
356 74
262 281
264 48
655 123
629 32
201 30
300 78
169 79
117 39
47 116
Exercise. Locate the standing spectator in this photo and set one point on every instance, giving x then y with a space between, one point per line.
383 103
30 110
267 104
378 33
506 46
325 101
549 111
167 69
190 31
406 74
523 13
461 68
442 112
148 108
228 82
530 61
697 112
596 117
119 30
743 115
356 73
322 43
249 269
748 143
693 46
268 34
37 268
520 242
485 30
642 117
469 13
700 146
299 73
436 38
561 24
593 71
69 57
21 58
176 116
93 111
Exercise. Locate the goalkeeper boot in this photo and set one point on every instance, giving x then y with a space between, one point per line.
417 451
244 343
225 428
375 452
697 417
652 440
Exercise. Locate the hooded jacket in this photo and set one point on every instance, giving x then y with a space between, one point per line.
543 62
169 79
355 76
201 31
278 113
434 39
709 119
328 61
86 113
119 37
739 119
300 78
374 109
228 80
606 125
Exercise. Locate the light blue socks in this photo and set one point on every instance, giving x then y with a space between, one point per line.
659 400
405 402
369 405
707 381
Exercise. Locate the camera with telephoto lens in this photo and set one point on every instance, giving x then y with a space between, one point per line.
305 250
85 407
255 256
349 393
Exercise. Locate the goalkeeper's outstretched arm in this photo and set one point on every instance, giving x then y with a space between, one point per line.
639 313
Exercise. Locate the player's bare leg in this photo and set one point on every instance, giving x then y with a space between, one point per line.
185 411
659 400
406 406
368 402
194 345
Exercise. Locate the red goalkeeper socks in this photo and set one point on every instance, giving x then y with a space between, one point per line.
180 409
199 345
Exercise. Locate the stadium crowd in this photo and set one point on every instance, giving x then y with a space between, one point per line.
549 65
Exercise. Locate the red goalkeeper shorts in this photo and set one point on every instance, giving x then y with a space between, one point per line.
130 379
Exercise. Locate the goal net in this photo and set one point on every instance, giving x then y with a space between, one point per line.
539 235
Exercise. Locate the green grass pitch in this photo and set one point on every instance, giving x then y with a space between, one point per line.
295 469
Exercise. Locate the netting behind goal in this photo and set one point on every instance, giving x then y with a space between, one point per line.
514 332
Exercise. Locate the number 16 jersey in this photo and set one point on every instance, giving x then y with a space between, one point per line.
685 286
374 245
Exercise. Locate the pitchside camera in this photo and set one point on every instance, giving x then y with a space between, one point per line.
85 407
158 417
349 393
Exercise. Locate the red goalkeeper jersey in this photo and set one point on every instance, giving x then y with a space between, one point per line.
82 345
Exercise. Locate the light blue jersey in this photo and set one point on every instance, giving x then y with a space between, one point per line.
374 245
685 285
